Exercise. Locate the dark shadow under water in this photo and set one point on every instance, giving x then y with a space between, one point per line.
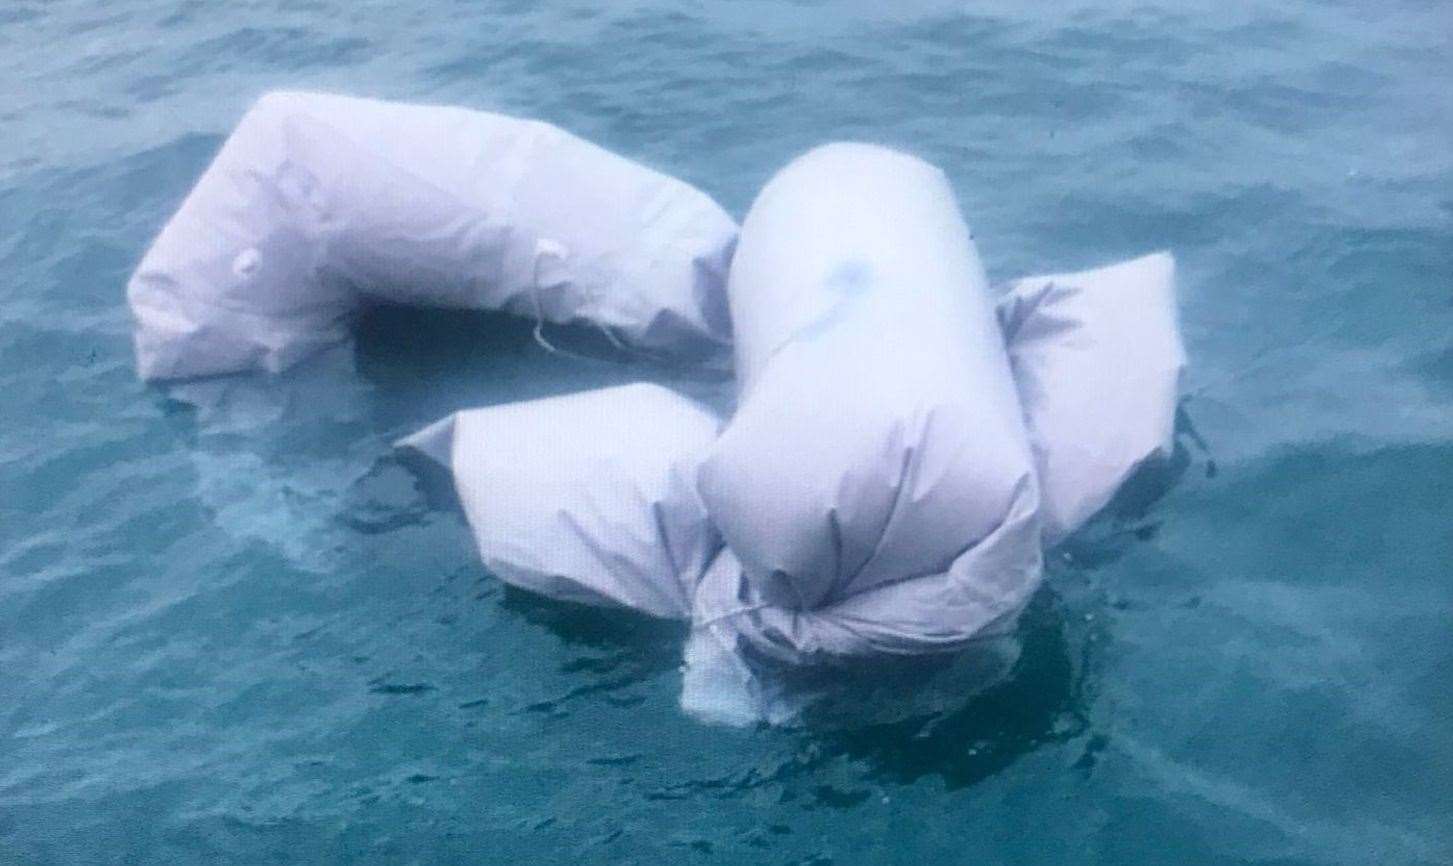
422 363
1043 700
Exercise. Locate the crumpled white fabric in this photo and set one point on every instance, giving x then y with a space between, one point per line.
317 204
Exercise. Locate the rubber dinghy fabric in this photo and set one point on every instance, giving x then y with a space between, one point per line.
586 497
901 450
875 488
876 483
1097 359
317 204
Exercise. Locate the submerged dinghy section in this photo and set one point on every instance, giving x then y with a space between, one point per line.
318 204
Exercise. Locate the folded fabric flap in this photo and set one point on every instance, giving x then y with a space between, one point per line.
586 497
1097 360
435 441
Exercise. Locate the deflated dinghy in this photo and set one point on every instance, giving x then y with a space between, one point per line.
898 459
318 203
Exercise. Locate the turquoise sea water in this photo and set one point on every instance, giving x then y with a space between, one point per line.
244 633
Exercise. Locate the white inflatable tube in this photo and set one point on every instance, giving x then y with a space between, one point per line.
317 203
876 484
588 497
1097 358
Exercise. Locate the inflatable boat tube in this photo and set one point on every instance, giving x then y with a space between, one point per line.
318 204
876 484
1097 359
588 497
